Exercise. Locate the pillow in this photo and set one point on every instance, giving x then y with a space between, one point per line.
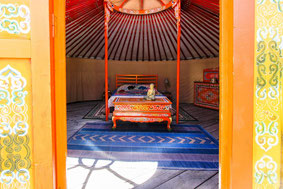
128 87
121 92
131 87
142 87
123 87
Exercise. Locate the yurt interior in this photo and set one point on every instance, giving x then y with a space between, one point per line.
142 93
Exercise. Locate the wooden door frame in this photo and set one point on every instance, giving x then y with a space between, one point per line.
58 89
228 173
226 92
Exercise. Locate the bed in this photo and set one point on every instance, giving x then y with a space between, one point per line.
133 86
129 104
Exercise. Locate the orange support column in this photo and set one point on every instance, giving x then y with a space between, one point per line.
178 16
106 20
236 93
58 89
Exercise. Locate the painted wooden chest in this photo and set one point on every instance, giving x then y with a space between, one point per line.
210 73
141 110
206 95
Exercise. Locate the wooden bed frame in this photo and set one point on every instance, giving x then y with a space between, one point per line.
138 109
136 79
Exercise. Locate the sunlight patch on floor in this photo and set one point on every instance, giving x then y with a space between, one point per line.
137 172
76 177
91 173
105 179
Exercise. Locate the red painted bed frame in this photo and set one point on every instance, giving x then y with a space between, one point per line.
136 79
140 110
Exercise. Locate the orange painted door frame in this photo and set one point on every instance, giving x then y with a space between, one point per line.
58 89
243 94
236 65
226 92
236 93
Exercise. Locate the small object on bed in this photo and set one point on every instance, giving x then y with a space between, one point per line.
150 93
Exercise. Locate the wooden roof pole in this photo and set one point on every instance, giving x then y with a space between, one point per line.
178 16
106 20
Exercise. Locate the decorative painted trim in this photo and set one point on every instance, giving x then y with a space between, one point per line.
268 94
265 169
14 18
112 7
107 10
267 136
176 4
15 152
279 4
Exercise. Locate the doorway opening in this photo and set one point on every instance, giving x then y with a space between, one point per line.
144 46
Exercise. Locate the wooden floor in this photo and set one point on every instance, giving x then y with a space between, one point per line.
161 178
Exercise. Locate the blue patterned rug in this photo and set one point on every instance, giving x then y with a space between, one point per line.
186 147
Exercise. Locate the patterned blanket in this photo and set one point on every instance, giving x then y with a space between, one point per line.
131 90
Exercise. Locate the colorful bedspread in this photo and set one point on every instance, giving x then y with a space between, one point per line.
131 90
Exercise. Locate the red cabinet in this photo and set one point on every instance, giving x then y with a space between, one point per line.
206 95
210 73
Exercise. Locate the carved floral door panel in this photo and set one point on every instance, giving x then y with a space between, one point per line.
20 113
15 125
15 100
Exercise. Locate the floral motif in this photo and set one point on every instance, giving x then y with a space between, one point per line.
268 51
7 177
266 168
268 93
279 4
14 19
267 137
5 129
15 154
141 119
12 79
142 107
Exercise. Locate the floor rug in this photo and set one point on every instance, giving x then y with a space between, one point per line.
186 147
98 112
